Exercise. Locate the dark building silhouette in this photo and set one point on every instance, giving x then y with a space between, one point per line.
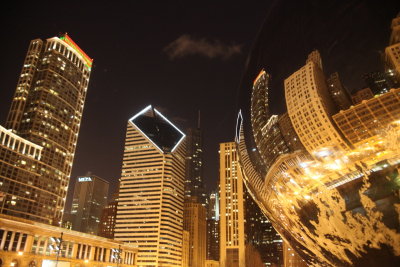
380 82
260 234
194 185
108 217
360 95
213 227
339 94
88 202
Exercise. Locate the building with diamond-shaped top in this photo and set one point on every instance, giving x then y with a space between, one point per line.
151 192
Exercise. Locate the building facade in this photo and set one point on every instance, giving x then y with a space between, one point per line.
27 243
289 134
361 95
380 82
212 240
213 227
232 236
194 221
19 161
194 185
260 235
151 192
47 110
185 248
339 94
291 258
88 201
310 107
370 117
108 218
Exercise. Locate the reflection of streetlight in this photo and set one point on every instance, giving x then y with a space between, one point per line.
57 246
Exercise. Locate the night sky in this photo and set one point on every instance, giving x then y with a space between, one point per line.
180 56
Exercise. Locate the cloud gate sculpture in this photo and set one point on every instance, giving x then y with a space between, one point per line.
323 164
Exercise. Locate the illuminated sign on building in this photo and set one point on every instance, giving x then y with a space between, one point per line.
84 179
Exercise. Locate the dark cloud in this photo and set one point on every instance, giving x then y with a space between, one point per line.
186 45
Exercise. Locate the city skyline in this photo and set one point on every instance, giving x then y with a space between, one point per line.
311 169
124 65
111 41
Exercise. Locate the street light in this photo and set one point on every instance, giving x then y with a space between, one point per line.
57 244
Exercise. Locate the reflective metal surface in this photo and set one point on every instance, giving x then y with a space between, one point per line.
335 208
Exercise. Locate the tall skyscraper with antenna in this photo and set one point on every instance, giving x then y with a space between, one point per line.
194 182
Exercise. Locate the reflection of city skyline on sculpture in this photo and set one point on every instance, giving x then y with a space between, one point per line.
335 197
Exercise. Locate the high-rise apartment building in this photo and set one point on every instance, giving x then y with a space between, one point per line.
151 191
267 135
88 201
194 221
232 236
310 107
46 110
260 108
19 162
194 186
108 217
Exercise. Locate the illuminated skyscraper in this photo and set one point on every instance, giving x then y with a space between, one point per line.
46 110
308 100
273 135
232 236
88 201
151 191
